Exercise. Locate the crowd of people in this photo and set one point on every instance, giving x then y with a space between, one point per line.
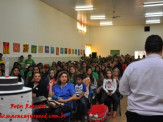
87 82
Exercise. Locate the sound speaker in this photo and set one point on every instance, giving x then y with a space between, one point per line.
94 54
147 28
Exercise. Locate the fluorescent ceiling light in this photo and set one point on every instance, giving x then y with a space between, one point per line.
84 8
97 17
149 4
156 14
106 23
152 21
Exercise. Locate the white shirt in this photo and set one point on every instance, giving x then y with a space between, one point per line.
142 82
109 84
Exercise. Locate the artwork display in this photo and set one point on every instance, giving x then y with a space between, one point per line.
46 49
16 47
6 48
52 50
40 49
57 50
25 48
33 49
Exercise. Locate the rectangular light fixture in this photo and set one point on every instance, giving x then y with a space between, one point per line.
84 8
150 4
94 17
152 21
156 14
106 23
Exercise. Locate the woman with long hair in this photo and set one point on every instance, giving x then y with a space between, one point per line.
110 86
38 87
72 74
15 72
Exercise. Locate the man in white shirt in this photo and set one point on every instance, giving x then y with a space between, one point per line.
142 83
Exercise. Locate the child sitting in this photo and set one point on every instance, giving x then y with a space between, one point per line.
80 88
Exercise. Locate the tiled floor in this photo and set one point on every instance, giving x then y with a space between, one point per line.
119 118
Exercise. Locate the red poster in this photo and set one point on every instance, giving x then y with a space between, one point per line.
6 48
16 47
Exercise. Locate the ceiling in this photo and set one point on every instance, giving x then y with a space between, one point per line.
130 12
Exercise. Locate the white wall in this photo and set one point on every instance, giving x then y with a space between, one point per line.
127 39
35 23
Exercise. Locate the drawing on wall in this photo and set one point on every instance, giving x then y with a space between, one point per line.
46 49
6 48
72 51
61 50
52 50
0 45
16 47
33 49
69 51
40 49
76 51
65 51
81 52
57 50
25 48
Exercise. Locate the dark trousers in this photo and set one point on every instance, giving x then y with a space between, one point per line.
54 111
81 107
134 117
106 99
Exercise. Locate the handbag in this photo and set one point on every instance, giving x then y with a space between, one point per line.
53 103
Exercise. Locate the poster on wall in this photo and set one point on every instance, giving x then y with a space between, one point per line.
46 49
33 49
69 51
81 52
0 45
40 49
16 47
65 51
52 50
72 51
57 50
76 51
61 50
6 48
25 48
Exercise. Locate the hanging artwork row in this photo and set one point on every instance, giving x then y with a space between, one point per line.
26 48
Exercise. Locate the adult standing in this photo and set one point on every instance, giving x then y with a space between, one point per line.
142 83
30 61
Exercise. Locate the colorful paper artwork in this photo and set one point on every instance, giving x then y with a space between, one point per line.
33 49
40 49
6 48
73 51
57 50
0 45
81 52
25 48
76 51
46 49
61 50
65 51
69 51
16 47
52 50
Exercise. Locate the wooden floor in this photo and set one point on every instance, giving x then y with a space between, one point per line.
119 118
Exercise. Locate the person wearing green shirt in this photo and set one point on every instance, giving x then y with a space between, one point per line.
1 61
29 61
22 63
